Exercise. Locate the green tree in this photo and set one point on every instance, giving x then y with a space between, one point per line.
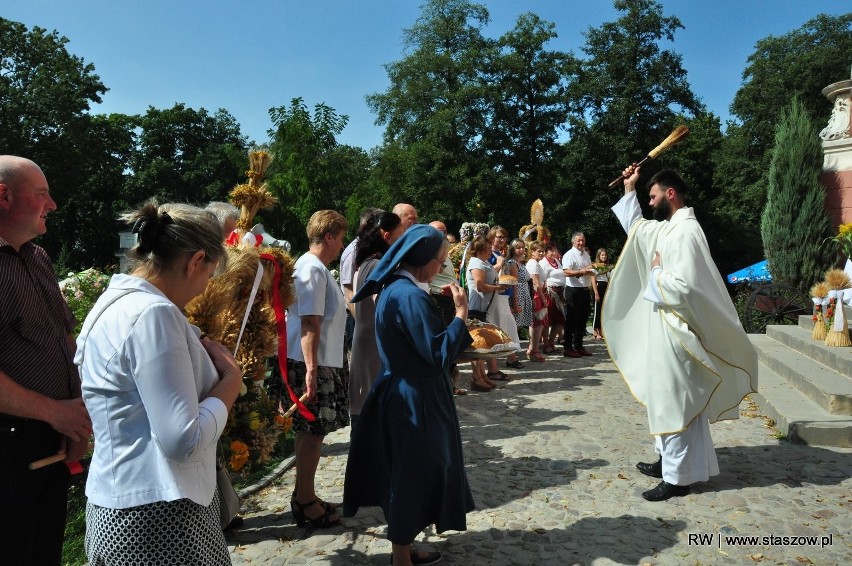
794 224
91 210
186 155
799 63
628 96
45 95
527 108
45 91
311 171
435 112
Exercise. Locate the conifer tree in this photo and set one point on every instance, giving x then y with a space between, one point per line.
794 225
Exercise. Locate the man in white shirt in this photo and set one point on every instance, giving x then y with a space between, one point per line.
577 266
674 334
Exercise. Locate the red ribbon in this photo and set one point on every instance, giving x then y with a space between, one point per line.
234 239
281 325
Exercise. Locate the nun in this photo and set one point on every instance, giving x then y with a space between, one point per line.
406 453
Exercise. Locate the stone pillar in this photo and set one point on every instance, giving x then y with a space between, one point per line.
837 151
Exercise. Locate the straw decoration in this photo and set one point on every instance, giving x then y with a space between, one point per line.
837 279
838 331
537 212
253 196
677 135
219 310
819 292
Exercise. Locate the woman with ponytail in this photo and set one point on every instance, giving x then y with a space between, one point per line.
158 395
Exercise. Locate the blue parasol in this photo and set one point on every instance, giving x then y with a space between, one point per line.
757 273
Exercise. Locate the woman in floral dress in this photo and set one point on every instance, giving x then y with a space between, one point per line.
522 301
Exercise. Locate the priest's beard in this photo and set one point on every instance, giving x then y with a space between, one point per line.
662 211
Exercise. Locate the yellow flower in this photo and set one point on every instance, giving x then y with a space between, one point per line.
254 421
844 239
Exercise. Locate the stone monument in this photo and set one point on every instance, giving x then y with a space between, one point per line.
837 150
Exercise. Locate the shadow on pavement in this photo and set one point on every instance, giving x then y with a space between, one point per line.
784 463
625 539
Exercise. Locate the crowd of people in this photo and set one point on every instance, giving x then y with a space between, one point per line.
377 349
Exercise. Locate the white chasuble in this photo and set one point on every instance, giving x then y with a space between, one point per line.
688 353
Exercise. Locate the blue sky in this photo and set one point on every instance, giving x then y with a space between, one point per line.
247 57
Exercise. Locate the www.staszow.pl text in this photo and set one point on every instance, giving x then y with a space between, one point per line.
720 540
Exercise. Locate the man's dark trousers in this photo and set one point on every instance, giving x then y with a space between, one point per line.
31 497
578 305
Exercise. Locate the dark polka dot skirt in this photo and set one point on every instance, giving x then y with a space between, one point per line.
157 534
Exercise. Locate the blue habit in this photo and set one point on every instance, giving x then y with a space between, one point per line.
406 451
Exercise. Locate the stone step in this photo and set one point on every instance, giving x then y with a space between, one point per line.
824 386
799 339
796 416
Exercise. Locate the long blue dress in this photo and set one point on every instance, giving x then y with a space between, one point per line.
406 453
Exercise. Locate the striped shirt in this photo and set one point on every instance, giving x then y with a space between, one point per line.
35 323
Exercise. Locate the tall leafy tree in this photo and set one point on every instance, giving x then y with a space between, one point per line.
186 155
794 224
434 112
45 91
797 64
91 211
311 171
527 108
45 96
628 96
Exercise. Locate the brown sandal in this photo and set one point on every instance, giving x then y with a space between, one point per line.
498 376
536 357
477 385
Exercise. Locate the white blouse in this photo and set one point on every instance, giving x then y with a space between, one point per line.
145 379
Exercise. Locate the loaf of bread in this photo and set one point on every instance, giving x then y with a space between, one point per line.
487 336
507 280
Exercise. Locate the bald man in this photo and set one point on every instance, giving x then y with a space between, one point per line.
41 409
408 214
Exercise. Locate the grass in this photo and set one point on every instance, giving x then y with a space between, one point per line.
73 553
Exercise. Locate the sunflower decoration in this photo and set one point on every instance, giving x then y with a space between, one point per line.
819 295
221 309
837 331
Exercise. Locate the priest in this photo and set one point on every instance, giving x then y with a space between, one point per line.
674 334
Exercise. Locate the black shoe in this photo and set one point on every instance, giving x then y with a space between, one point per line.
665 490
429 558
324 521
654 470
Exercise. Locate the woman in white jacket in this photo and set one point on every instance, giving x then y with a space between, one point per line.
158 395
